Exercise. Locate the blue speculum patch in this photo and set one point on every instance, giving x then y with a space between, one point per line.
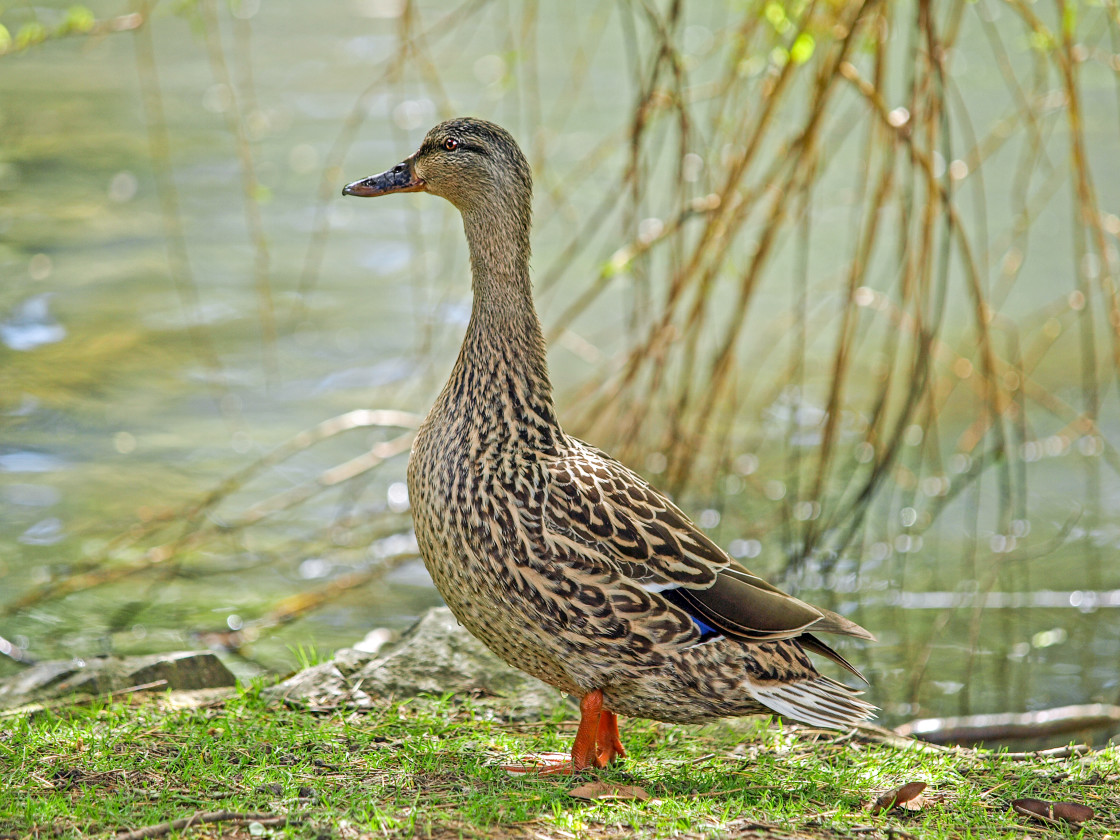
707 632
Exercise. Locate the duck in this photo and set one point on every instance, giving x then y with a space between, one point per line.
563 561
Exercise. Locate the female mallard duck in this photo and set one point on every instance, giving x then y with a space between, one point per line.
564 562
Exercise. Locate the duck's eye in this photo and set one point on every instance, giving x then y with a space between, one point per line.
451 144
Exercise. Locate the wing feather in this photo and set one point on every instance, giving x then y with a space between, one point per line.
615 514
617 521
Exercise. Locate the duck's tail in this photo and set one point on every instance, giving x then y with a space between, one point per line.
818 701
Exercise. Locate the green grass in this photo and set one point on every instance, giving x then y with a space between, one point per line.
432 768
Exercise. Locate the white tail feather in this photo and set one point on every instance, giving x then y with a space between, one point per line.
820 702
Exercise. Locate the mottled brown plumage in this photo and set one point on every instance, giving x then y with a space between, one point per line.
563 561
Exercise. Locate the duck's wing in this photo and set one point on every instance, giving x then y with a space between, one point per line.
615 517
610 517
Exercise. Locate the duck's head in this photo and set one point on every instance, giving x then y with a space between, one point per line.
474 164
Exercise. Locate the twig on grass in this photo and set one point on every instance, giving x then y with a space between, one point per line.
199 817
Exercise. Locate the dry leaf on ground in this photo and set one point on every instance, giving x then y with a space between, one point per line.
1053 812
607 790
906 795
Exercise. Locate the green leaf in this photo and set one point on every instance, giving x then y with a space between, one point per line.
802 49
78 19
1069 19
1042 41
29 34
776 15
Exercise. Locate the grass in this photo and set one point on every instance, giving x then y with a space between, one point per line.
431 768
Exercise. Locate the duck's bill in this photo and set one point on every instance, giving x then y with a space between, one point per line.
399 179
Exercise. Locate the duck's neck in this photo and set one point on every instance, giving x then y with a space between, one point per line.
502 364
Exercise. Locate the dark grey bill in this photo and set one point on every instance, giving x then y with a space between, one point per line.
400 178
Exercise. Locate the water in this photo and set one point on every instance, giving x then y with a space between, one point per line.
129 390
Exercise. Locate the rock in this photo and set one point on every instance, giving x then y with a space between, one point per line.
321 688
435 656
106 674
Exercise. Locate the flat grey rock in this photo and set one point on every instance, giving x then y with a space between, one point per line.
435 656
181 670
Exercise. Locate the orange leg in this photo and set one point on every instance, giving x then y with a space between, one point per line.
590 716
597 743
609 743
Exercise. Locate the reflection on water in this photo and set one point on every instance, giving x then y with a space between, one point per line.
31 324
32 462
44 532
1080 600
129 390
32 495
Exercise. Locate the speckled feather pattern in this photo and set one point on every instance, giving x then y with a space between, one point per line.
552 553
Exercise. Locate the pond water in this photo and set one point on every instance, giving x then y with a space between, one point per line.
154 344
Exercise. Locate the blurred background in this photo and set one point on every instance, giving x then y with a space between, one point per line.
840 276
